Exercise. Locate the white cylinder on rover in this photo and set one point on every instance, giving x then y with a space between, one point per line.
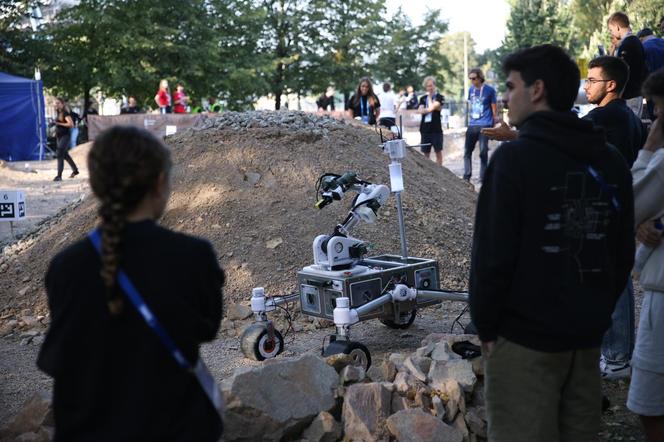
258 299
342 312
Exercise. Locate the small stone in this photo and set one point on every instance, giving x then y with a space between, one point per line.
24 290
274 243
351 374
252 177
323 429
25 279
418 366
460 424
238 312
338 361
438 407
407 385
227 326
476 420
478 366
458 369
426 350
443 352
415 425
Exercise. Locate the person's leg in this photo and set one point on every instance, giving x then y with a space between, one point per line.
438 147
61 150
581 398
71 163
484 153
471 139
618 342
425 138
522 390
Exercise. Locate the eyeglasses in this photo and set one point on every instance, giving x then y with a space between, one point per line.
472 78
595 80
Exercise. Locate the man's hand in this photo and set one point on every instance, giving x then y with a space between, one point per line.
648 235
502 132
487 348
655 138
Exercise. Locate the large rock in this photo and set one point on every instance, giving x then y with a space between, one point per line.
450 338
351 374
455 400
33 420
238 312
323 429
278 399
366 407
458 369
415 425
408 385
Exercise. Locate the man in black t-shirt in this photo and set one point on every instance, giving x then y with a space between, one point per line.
631 50
431 129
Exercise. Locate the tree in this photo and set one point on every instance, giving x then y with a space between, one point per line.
534 22
451 49
17 39
349 31
410 53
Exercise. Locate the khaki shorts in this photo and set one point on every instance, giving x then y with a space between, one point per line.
538 396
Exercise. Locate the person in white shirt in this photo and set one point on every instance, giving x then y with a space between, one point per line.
388 106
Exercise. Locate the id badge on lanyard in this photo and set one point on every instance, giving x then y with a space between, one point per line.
364 111
476 105
427 117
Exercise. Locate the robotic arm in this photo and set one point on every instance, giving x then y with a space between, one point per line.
340 251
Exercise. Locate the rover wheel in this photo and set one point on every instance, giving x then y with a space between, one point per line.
256 343
359 353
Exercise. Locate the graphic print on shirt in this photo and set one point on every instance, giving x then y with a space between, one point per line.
580 227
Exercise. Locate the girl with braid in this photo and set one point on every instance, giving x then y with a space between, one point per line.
63 123
113 378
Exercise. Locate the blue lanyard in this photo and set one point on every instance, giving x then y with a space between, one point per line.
150 319
364 102
605 187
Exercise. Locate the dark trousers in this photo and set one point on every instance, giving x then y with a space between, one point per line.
62 153
472 136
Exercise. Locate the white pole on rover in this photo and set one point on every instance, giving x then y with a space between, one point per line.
396 149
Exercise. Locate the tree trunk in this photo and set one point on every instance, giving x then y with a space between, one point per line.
277 98
86 101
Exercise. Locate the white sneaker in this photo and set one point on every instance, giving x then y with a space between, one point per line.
614 370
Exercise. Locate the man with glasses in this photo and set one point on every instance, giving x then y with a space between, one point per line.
483 114
607 77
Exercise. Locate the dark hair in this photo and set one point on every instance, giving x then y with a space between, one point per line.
654 84
554 67
478 72
125 163
371 96
644 32
613 68
619 18
386 86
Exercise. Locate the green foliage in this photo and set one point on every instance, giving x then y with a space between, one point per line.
411 53
17 41
534 22
451 49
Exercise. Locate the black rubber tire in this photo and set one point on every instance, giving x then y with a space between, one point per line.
255 344
400 326
359 352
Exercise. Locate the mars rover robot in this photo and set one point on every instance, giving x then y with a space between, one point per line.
345 286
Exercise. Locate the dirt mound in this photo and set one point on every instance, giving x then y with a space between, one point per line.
245 181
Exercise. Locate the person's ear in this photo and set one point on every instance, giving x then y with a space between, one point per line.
612 86
161 187
537 91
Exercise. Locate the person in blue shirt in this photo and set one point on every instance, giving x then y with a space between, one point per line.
483 114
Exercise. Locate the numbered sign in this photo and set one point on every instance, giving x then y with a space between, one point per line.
12 205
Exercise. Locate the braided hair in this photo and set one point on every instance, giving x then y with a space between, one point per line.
124 164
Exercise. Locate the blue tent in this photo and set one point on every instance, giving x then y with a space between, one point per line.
22 119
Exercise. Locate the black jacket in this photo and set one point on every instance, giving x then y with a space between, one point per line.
113 379
623 128
631 50
551 254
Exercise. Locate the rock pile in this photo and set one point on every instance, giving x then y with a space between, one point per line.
429 395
